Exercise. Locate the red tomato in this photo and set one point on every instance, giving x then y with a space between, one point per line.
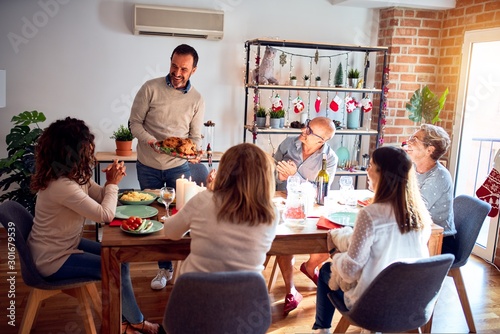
125 226
138 221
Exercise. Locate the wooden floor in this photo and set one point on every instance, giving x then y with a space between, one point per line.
60 314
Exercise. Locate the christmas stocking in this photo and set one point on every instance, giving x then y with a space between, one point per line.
336 103
490 191
317 104
298 104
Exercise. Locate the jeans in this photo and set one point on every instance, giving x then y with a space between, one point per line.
151 178
324 307
88 264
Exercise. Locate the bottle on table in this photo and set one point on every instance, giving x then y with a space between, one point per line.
322 181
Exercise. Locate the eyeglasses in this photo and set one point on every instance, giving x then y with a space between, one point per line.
309 131
412 140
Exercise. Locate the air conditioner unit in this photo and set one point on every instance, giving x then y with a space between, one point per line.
179 22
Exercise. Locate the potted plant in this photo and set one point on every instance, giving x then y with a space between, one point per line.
424 104
123 138
293 80
306 80
339 76
353 76
318 81
261 117
17 168
276 117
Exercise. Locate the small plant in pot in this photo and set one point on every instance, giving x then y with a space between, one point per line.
353 76
261 117
276 117
318 81
123 138
306 80
293 80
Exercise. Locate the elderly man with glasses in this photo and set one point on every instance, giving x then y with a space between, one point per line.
302 156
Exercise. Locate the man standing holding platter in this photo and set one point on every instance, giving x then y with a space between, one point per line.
167 107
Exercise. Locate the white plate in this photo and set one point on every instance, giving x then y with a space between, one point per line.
157 226
141 211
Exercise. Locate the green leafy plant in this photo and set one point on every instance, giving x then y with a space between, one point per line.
353 74
17 168
122 134
306 77
280 113
425 104
261 112
318 78
339 76
293 77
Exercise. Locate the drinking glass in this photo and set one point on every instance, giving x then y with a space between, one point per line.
346 189
167 195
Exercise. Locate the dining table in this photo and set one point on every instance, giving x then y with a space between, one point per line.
291 239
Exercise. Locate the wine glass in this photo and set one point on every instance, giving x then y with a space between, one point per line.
167 195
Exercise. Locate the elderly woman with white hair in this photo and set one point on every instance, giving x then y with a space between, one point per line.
425 148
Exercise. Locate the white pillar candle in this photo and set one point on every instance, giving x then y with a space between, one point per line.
179 192
190 189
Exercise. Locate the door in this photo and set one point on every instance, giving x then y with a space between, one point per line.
476 133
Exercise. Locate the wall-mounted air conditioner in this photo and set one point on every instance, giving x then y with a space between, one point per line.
179 22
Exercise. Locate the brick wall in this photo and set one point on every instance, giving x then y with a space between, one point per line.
425 49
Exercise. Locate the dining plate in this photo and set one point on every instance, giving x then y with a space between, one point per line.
141 211
157 226
138 201
343 218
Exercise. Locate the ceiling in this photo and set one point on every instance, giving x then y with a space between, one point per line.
421 4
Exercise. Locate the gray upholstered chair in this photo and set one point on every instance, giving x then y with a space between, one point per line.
199 173
469 214
219 302
18 223
401 298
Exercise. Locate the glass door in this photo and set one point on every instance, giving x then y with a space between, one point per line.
476 133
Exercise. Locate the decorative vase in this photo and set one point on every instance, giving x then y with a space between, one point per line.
123 148
303 117
282 122
353 82
293 82
353 119
307 83
261 122
318 83
275 123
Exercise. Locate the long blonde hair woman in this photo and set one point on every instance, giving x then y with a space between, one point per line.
233 226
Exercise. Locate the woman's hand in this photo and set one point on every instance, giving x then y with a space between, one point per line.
211 179
115 172
286 169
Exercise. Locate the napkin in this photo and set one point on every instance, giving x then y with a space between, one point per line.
326 224
116 222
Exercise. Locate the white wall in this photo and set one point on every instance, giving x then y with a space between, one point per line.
81 59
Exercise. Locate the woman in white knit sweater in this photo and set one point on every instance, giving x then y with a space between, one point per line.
395 226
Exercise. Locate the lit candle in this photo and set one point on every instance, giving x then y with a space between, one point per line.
179 190
190 189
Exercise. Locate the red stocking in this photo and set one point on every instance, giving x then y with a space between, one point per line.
490 191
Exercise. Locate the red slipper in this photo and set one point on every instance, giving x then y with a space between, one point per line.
291 302
313 278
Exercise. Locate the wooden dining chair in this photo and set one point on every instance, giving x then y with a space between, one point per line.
401 298
18 223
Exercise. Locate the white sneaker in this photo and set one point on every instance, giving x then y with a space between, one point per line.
161 279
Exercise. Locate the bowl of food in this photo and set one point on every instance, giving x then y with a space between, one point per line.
136 197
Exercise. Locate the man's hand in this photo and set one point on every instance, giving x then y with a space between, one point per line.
152 143
286 169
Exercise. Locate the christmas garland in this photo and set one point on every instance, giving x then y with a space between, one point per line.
383 113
